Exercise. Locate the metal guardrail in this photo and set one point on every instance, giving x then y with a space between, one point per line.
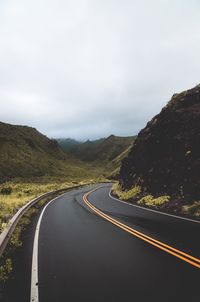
8 231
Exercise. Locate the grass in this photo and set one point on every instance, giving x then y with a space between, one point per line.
102 151
152 201
126 195
26 153
7 263
16 194
193 209
135 193
22 192
6 269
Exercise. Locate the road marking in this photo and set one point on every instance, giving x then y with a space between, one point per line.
134 205
34 297
163 246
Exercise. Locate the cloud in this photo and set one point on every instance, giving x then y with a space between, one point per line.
86 68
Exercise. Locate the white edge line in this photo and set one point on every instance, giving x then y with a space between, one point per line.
34 296
166 214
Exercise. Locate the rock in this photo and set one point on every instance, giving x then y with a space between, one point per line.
167 150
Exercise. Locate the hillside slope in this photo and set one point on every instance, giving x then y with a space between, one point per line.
68 144
104 150
25 152
165 158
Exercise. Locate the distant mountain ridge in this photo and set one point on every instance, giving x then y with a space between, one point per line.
101 150
27 153
68 144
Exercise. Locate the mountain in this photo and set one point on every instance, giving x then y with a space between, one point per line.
116 162
25 152
68 144
103 150
165 158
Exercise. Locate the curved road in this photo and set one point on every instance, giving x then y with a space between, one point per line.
80 256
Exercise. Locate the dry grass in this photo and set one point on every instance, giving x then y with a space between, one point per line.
5 270
16 194
126 195
152 201
22 192
193 209
135 193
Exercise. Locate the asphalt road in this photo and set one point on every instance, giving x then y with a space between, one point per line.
83 257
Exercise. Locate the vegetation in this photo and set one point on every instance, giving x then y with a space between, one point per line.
5 269
26 153
165 158
126 195
68 144
6 266
135 194
193 209
22 192
106 153
102 150
116 162
32 164
149 200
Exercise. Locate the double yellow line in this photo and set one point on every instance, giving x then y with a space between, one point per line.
162 246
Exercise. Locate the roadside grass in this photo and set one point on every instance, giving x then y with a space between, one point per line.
193 209
5 269
6 262
139 196
15 194
20 192
152 201
136 194
126 195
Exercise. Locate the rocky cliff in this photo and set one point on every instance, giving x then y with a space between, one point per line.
165 158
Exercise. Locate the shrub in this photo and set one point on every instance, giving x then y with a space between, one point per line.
5 270
6 191
126 195
193 209
149 200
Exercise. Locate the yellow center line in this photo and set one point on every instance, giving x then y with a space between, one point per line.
163 246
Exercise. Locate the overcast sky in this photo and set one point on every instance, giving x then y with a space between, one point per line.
90 68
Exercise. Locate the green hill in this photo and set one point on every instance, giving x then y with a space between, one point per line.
116 162
104 150
68 144
26 153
